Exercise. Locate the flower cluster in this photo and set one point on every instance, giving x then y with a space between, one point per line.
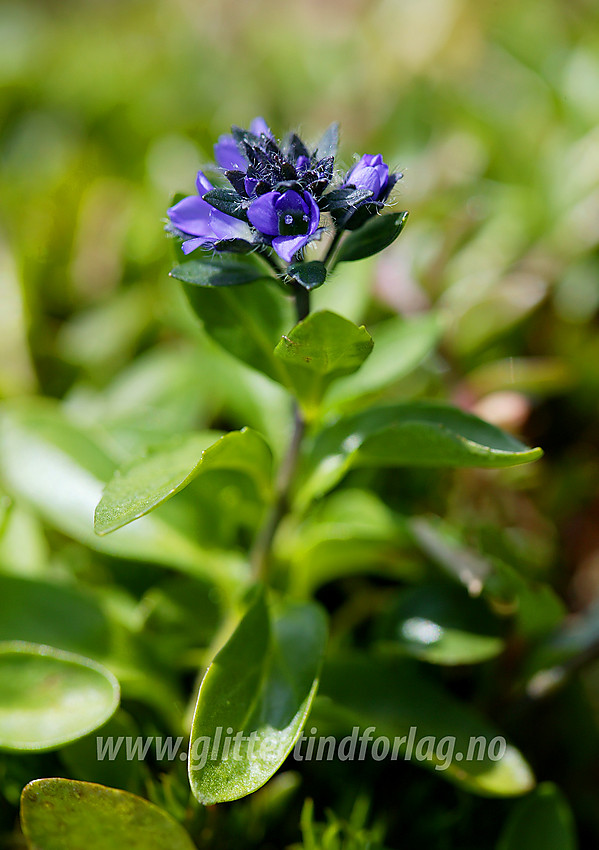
277 193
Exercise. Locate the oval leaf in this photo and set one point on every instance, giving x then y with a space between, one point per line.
309 275
146 483
414 434
260 686
542 821
373 237
394 696
49 698
441 624
61 814
320 349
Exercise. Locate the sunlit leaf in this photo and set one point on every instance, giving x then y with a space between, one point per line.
62 814
49 697
260 685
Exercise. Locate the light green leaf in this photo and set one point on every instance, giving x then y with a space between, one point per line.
49 697
320 349
260 685
60 471
414 434
351 531
215 273
62 814
372 237
262 312
542 821
398 699
148 482
441 624
400 345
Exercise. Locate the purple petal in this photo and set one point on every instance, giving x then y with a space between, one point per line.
367 178
192 244
203 185
262 214
314 212
287 246
259 127
291 201
191 215
224 226
228 155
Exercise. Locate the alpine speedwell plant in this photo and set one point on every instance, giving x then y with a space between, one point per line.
305 497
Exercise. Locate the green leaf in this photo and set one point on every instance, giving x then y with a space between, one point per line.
49 697
309 275
215 274
414 434
351 531
372 237
399 347
542 821
320 349
57 814
441 624
247 322
60 471
261 685
148 482
399 700
227 201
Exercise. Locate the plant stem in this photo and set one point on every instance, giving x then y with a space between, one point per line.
332 247
263 545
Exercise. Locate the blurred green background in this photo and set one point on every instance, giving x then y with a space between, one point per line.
108 107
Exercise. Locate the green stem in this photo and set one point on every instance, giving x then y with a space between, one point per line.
280 506
332 247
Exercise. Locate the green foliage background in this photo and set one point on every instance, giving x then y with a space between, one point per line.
491 110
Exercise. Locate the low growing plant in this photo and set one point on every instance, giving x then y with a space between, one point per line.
309 583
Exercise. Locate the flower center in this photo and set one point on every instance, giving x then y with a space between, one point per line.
293 223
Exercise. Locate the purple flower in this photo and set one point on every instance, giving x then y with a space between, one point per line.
208 226
227 152
372 173
291 218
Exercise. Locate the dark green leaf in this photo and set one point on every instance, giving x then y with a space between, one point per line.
260 310
415 434
542 821
207 273
441 624
61 814
398 699
320 349
49 697
372 237
261 685
310 275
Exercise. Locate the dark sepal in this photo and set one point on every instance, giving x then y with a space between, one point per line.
234 246
227 201
343 199
295 147
327 146
237 180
